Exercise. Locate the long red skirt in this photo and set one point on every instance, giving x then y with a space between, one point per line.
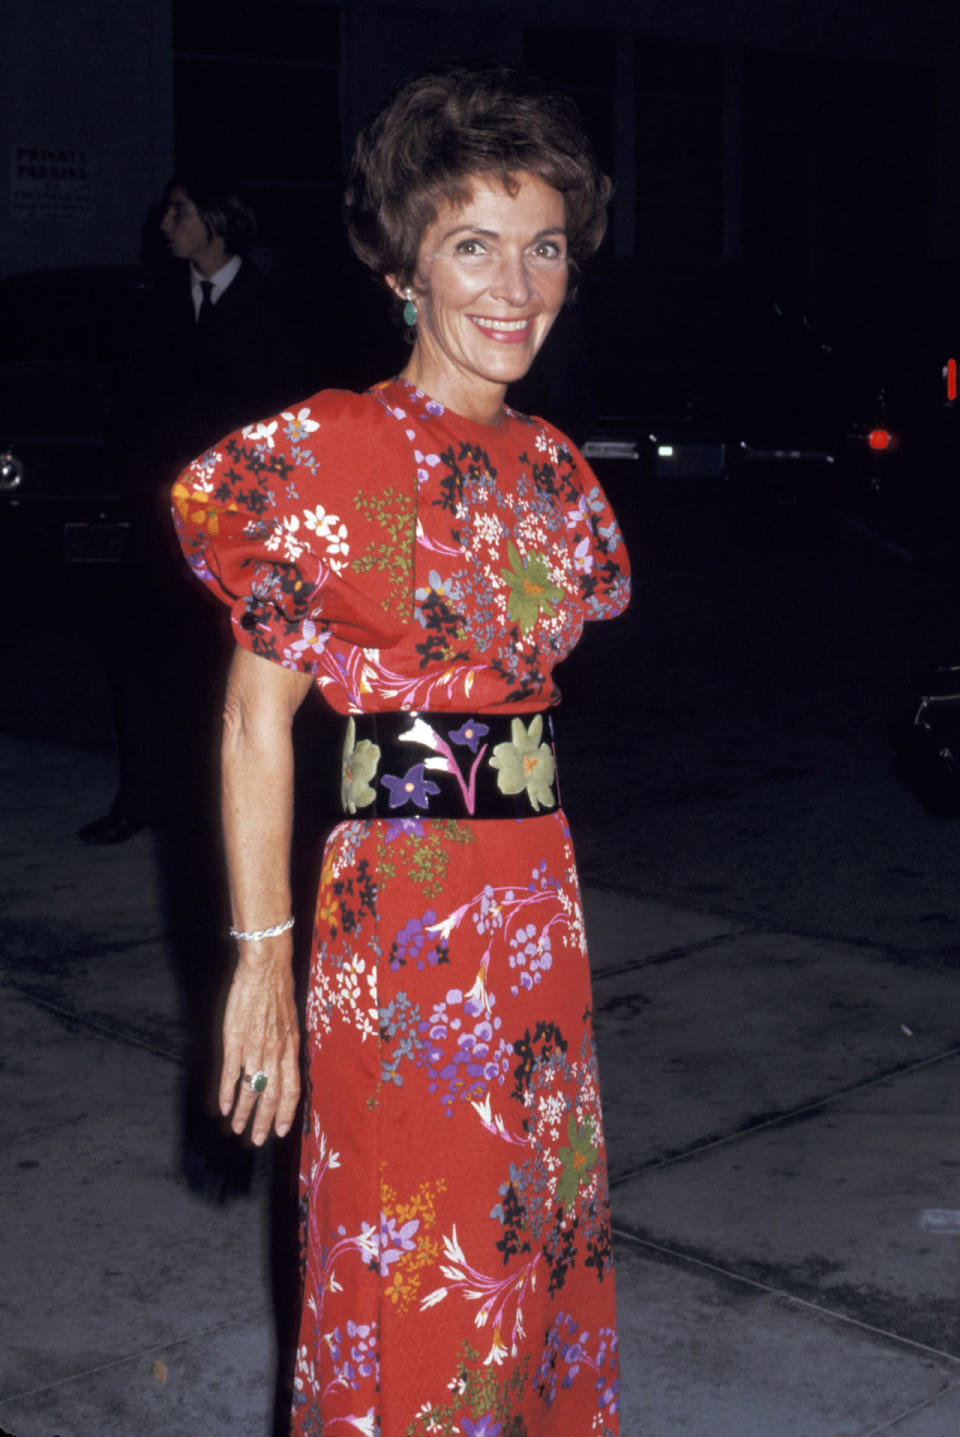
457 1245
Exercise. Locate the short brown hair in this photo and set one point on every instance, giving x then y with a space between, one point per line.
442 128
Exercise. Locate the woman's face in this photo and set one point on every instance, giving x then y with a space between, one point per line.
491 278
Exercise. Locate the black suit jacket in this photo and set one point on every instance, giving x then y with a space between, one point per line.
184 385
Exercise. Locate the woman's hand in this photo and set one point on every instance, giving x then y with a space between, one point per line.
260 1027
261 1034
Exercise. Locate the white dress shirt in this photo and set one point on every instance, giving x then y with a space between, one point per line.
222 280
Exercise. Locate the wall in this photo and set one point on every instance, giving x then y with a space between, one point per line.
93 78
86 85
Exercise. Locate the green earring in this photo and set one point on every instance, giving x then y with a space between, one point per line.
409 311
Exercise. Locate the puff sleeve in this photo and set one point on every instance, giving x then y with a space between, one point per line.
598 555
305 525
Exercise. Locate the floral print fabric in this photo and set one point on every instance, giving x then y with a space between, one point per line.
384 771
457 1246
454 1174
406 558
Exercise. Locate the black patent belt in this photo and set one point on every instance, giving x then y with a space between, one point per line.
441 765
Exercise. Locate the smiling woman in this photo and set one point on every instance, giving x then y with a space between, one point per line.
490 279
425 556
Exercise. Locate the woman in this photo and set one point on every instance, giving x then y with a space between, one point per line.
425 556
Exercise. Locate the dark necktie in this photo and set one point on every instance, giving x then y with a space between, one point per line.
206 303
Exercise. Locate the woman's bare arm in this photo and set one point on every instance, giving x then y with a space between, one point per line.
260 1026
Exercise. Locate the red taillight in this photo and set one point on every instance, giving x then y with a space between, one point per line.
951 380
879 439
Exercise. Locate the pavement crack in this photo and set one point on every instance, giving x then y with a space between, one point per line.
680 1255
912 1411
98 1024
137 1356
670 955
789 1115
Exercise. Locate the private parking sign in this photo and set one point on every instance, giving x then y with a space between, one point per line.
51 183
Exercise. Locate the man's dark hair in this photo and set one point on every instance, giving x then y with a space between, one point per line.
221 206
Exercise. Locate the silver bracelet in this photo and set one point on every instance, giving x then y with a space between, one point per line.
258 933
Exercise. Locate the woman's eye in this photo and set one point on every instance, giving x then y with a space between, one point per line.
470 247
548 249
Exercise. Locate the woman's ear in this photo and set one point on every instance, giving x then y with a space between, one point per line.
393 282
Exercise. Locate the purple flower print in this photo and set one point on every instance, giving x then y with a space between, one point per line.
484 1427
469 1071
469 734
425 462
200 567
413 942
363 1347
566 1351
412 788
312 643
361 1359
394 1241
397 827
577 515
609 1394
583 558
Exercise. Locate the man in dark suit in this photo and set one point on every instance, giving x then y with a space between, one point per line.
220 349
212 349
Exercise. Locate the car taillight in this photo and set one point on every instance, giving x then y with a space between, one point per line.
950 374
879 439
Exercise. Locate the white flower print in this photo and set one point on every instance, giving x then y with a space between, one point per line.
488 528
547 446
292 546
285 534
333 532
261 433
367 1425
299 424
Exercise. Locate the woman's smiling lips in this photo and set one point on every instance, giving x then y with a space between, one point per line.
506 331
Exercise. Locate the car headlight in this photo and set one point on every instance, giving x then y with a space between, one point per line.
11 472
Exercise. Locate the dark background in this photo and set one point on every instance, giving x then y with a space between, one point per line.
734 743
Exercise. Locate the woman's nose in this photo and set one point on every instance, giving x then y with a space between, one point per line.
512 282
165 220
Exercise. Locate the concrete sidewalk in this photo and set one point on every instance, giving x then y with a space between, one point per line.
781 1120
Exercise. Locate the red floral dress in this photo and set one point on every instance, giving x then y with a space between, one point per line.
457 1244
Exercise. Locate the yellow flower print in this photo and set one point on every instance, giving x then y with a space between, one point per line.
193 505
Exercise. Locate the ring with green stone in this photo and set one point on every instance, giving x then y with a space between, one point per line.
257 1081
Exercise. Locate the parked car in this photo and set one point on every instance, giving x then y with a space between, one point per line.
62 337
724 386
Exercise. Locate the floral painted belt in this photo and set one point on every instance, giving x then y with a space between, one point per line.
440 765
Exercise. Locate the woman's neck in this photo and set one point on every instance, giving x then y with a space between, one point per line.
472 397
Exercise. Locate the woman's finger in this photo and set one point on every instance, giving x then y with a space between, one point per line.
289 1090
230 1074
245 1102
277 1103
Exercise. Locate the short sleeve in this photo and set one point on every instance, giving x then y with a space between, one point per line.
305 525
598 554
